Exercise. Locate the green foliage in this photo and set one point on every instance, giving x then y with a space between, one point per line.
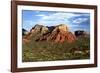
50 51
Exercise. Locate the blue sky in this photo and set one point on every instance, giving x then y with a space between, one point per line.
75 21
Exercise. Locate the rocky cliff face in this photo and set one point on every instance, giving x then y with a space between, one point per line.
61 27
59 34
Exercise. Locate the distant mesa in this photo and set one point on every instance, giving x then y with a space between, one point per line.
81 33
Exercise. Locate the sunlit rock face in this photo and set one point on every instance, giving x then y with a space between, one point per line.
39 28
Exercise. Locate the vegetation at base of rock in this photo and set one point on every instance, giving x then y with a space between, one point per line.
50 51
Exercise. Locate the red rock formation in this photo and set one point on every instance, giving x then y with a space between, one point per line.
59 34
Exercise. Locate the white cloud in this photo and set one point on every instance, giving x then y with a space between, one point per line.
42 15
80 20
56 18
60 17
